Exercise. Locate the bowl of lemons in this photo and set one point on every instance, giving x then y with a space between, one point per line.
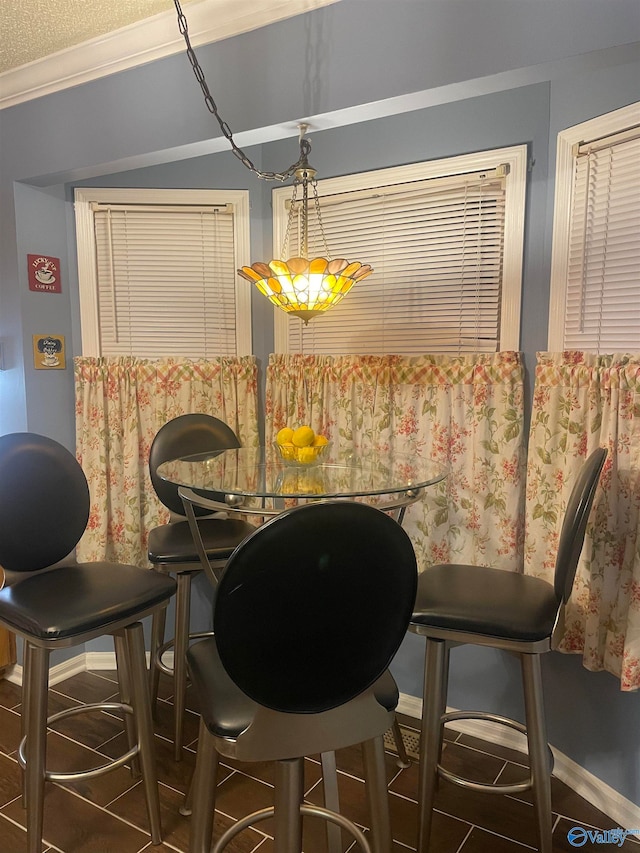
301 446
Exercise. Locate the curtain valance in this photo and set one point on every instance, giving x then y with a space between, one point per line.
465 412
582 401
121 403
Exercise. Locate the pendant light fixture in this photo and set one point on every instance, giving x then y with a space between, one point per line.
300 286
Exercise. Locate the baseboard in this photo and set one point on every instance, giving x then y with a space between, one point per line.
410 705
89 660
57 673
624 812
107 660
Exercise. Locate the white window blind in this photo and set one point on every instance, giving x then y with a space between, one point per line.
437 247
595 268
163 281
436 252
603 279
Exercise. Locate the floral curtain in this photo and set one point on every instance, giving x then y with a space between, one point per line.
121 403
582 401
465 412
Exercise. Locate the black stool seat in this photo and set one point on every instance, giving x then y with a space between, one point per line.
81 599
480 600
52 602
172 544
171 547
226 710
308 615
458 604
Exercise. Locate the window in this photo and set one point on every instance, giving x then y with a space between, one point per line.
445 240
157 272
595 274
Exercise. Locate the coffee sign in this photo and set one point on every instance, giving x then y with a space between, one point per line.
48 352
44 274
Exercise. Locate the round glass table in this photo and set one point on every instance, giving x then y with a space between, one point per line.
258 482
391 480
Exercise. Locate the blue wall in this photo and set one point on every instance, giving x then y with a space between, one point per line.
384 89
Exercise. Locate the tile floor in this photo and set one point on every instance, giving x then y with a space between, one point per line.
107 814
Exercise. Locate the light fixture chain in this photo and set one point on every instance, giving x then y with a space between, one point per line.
299 286
304 246
213 109
285 242
314 185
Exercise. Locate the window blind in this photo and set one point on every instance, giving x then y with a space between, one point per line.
436 247
166 280
603 272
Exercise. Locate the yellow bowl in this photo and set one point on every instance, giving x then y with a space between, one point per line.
305 456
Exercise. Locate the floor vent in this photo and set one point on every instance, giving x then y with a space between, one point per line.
411 740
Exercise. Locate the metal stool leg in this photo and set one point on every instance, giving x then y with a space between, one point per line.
403 758
377 796
288 799
430 738
186 808
331 799
36 745
158 623
202 793
134 639
443 693
183 613
538 748
26 705
124 685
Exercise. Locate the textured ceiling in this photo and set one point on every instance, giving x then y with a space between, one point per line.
32 29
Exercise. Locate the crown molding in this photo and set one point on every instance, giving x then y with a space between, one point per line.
142 42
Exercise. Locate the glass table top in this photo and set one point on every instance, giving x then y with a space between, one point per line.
261 472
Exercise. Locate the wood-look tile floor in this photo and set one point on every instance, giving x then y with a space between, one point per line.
107 814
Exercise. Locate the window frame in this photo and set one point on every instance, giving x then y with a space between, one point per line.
601 126
86 250
516 157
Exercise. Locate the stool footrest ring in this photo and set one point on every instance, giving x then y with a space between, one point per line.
157 658
311 811
493 788
112 764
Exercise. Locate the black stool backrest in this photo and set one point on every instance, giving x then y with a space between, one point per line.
44 502
312 607
187 435
574 524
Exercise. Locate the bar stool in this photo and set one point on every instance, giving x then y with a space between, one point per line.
172 549
57 604
309 612
458 604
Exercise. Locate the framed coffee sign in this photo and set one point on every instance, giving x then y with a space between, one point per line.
48 352
44 274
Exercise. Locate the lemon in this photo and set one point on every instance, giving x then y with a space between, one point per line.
288 451
320 441
284 436
307 454
303 436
